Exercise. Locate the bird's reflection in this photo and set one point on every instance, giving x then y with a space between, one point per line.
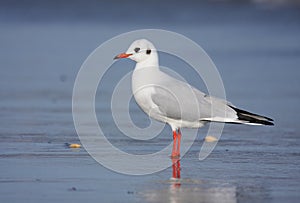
189 190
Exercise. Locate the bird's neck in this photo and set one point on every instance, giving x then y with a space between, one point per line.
151 62
144 73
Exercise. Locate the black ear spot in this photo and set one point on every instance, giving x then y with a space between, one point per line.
148 51
137 50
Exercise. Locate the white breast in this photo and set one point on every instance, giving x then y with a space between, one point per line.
143 98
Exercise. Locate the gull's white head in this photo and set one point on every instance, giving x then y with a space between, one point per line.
139 51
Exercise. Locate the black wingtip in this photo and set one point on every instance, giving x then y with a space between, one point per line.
252 118
265 123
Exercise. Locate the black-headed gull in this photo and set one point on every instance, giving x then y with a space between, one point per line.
175 102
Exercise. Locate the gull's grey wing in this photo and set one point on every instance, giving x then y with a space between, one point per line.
178 100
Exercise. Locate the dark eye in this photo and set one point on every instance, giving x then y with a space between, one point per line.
148 51
137 50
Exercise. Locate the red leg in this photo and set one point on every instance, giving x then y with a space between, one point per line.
175 157
178 141
176 172
175 167
178 168
174 150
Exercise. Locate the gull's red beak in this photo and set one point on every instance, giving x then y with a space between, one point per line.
122 55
